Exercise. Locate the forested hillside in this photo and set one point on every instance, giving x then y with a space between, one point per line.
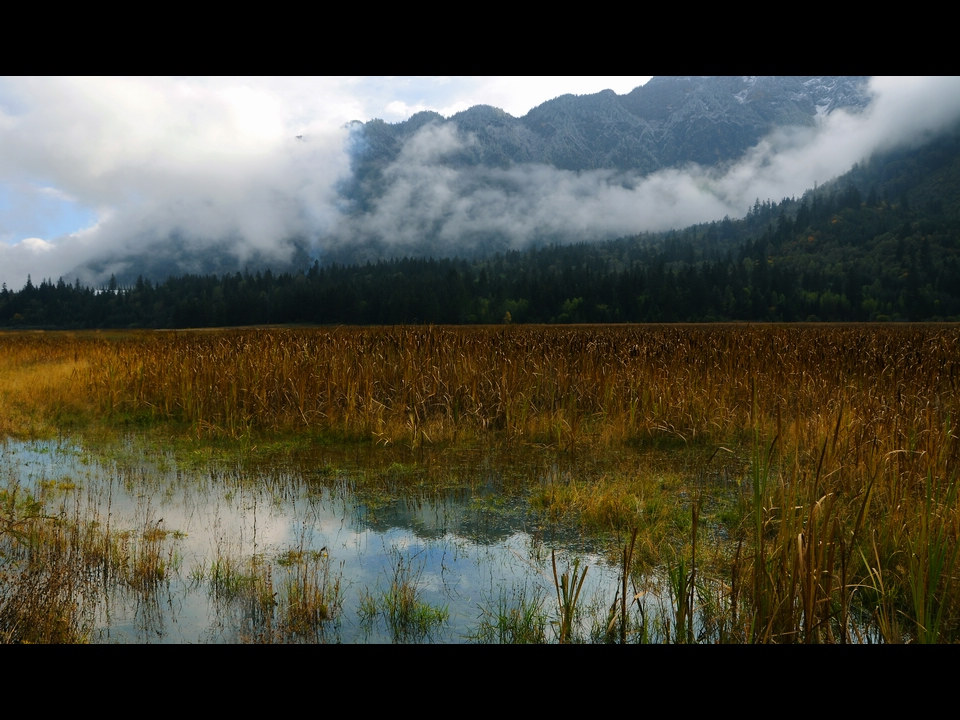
880 243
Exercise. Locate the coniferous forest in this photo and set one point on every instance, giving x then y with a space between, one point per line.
879 243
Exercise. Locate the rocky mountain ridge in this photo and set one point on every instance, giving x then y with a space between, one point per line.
483 181
669 121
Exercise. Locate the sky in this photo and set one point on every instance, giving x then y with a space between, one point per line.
104 167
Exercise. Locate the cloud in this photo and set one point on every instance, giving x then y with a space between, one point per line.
446 95
234 165
530 202
153 157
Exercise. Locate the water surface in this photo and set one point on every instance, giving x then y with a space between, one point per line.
468 551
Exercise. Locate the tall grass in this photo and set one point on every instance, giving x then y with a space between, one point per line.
833 519
58 559
408 616
519 618
568 586
40 578
291 598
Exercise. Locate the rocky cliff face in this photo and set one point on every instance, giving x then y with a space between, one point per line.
571 169
670 121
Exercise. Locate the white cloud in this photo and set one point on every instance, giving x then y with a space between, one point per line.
130 160
35 245
135 158
424 196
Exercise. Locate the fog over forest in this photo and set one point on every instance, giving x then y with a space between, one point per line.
148 160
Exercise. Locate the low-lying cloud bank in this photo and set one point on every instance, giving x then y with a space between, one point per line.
226 174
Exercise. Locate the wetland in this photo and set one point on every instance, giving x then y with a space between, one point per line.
510 484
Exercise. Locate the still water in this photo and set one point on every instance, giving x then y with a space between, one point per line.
466 554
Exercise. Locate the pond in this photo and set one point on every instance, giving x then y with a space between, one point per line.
210 552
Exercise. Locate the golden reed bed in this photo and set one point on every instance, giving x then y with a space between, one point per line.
848 506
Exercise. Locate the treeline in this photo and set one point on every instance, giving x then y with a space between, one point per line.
881 244
910 271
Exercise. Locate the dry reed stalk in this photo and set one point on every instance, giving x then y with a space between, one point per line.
840 408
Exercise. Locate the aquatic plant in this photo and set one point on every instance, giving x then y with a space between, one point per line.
568 586
408 617
825 454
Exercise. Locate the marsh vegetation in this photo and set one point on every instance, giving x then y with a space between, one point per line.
670 484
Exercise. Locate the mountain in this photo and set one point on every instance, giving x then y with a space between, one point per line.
880 242
668 122
482 181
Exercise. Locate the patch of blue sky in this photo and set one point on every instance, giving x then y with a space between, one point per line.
35 210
